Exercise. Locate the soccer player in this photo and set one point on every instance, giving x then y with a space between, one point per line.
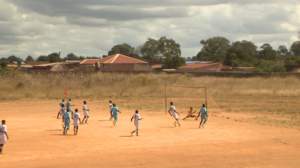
115 112
174 113
3 135
61 113
69 106
110 107
62 102
66 118
137 119
76 121
85 113
190 113
203 113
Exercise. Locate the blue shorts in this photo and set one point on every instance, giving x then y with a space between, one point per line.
69 108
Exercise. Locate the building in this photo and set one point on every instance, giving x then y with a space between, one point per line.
204 67
50 67
115 63
292 67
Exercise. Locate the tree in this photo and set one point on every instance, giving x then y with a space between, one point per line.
71 56
150 49
29 59
247 46
42 58
267 52
231 58
156 49
173 61
3 64
295 48
124 49
213 48
54 57
13 58
282 50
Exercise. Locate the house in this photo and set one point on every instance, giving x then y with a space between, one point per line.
204 67
115 63
292 67
123 63
50 67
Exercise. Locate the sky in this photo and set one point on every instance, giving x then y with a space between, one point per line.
93 27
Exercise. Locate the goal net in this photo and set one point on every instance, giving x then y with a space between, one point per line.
185 97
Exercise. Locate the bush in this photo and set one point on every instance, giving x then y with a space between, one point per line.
20 85
274 67
188 75
257 70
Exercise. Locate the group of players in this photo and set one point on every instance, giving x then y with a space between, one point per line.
113 110
65 110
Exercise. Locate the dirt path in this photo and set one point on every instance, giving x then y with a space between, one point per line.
36 140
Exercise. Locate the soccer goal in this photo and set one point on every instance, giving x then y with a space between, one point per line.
198 94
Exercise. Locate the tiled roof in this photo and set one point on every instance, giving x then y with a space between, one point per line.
89 61
119 58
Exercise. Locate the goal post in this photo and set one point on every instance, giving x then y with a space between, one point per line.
166 86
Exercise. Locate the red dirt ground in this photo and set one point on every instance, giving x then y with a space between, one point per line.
36 140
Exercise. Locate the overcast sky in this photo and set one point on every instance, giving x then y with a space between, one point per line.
93 27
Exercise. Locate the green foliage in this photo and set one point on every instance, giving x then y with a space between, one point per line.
188 75
3 64
295 48
247 46
29 59
124 49
212 48
282 50
53 57
235 57
257 70
155 49
268 54
13 58
20 85
171 62
1 70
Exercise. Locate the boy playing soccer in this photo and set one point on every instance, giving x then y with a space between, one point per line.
69 106
76 121
137 119
203 112
3 135
110 107
174 113
85 113
61 113
115 112
62 102
66 118
190 113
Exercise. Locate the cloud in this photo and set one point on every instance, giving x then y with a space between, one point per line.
93 27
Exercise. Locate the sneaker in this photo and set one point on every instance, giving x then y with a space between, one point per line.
179 124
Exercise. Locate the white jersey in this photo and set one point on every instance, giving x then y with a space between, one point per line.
110 106
136 117
85 111
62 110
3 138
172 109
84 108
76 118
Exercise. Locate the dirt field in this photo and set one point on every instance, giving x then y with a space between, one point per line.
36 140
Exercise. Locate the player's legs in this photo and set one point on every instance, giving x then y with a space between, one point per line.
1 147
185 117
76 130
82 122
87 117
115 120
111 116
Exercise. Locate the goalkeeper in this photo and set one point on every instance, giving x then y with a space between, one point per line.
190 113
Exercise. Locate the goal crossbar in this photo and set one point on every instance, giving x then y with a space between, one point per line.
183 87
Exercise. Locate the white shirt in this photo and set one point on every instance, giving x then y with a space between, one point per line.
62 110
84 108
110 106
136 117
3 128
172 109
76 117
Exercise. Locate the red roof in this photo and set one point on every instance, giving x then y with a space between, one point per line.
121 59
89 61
205 67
